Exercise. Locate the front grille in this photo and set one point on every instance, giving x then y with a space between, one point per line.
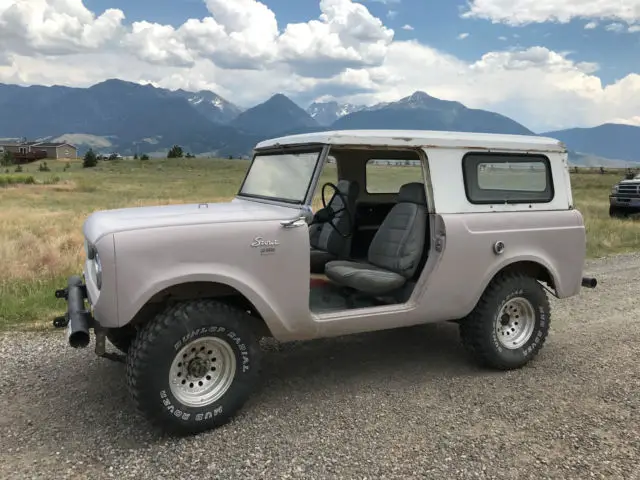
628 189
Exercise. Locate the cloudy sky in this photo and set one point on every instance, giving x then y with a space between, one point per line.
546 63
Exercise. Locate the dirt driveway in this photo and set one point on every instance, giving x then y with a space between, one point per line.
398 404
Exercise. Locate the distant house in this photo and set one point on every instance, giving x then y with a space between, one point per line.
57 151
25 152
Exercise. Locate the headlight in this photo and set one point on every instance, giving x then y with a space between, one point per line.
614 189
92 254
98 267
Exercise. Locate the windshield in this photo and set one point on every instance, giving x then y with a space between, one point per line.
281 176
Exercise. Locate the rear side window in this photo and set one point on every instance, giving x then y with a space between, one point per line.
387 176
507 178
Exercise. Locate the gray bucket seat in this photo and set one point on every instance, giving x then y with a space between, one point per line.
395 251
326 243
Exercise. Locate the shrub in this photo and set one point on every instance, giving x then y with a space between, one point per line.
6 180
175 152
6 159
18 169
51 180
43 167
90 159
144 157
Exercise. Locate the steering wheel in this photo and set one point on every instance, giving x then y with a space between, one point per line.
331 213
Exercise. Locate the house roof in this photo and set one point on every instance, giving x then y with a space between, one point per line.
36 144
51 145
421 138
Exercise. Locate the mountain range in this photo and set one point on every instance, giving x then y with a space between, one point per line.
115 115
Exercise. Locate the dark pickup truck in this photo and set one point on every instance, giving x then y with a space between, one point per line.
624 198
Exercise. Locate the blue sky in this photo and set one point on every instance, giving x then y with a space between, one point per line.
436 23
548 65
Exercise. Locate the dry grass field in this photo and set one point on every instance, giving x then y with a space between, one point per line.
41 220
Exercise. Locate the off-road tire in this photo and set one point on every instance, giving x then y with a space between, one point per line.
478 330
121 338
158 342
617 212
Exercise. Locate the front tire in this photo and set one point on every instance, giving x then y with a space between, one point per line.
121 338
193 367
509 325
617 212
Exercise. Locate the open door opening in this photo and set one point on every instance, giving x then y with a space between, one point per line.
370 234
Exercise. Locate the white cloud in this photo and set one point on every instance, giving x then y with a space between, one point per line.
522 12
240 52
634 28
407 27
615 27
55 26
538 87
462 36
157 44
634 121
591 25
244 34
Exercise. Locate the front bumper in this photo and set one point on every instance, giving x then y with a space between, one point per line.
77 318
624 202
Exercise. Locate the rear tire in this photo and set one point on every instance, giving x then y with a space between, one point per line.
192 367
510 323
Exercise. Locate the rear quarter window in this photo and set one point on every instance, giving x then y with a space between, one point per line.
507 178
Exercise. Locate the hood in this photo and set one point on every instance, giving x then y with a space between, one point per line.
108 222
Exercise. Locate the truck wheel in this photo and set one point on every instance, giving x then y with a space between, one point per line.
616 212
121 338
192 367
509 325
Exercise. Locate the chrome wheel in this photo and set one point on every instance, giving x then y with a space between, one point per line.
515 323
202 371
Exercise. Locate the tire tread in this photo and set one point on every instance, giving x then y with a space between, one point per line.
472 328
139 356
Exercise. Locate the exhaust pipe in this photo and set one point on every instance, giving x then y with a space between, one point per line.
589 282
79 318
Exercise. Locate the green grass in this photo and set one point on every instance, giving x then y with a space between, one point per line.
41 220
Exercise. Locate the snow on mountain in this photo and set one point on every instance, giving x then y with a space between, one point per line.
325 113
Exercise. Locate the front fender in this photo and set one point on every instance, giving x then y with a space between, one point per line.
275 281
256 292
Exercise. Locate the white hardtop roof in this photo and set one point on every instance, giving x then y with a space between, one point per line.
421 138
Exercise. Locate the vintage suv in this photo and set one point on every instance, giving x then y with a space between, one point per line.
469 228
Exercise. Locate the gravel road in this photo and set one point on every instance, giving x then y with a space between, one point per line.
397 404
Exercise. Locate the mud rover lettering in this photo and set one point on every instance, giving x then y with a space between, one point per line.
171 408
207 415
182 415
